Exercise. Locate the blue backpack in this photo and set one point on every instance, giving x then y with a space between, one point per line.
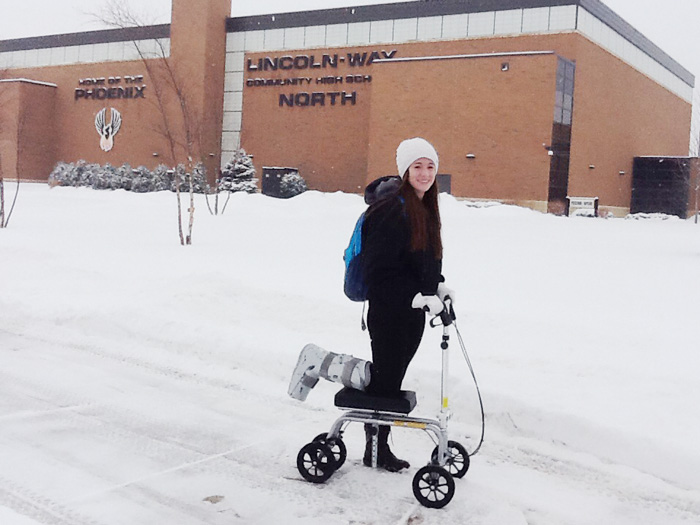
355 286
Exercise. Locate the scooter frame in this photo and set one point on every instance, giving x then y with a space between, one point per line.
433 485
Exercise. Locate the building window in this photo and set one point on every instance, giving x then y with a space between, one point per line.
560 148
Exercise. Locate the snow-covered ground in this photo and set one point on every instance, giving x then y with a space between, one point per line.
144 383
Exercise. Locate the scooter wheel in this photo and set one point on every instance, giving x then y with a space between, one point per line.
457 459
433 486
315 462
340 451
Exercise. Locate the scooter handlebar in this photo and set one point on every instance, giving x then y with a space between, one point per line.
447 315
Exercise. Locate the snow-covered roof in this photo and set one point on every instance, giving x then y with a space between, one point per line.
29 81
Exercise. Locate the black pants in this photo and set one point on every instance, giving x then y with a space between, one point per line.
395 333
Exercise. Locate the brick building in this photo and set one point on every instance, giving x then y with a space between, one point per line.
526 101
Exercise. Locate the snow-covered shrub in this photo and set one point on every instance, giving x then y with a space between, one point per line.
123 177
199 179
292 184
162 178
142 180
139 180
641 216
239 174
84 173
102 178
60 174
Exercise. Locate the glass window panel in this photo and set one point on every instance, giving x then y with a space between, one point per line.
557 114
570 69
508 22
137 47
235 61
165 44
130 52
100 52
315 36
294 38
254 40
71 54
430 28
44 57
559 98
155 48
535 20
58 56
337 35
454 26
233 81
232 121
562 18
381 31
405 29
230 141
481 24
584 21
226 155
115 51
274 38
568 101
17 58
235 41
85 53
627 51
6 60
566 117
31 57
233 101
358 33
608 35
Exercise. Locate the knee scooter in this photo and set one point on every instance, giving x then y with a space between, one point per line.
433 484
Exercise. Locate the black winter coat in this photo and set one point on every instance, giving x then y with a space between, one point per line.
394 273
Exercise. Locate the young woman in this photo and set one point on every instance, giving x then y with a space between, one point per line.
403 257
402 250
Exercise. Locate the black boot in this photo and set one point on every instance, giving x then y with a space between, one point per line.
385 458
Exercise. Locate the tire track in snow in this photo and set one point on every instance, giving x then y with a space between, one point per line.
151 366
639 489
39 508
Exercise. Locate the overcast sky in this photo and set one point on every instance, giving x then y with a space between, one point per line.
673 25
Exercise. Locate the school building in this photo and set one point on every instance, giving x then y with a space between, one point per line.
541 103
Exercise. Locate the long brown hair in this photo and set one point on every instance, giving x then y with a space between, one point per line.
423 217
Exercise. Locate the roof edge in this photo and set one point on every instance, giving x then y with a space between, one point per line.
100 36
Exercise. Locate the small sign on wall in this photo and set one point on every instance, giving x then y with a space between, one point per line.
582 207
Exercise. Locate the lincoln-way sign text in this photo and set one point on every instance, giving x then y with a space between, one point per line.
314 62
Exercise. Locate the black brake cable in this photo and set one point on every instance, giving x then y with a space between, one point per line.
476 385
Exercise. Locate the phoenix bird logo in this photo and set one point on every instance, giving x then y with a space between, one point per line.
107 131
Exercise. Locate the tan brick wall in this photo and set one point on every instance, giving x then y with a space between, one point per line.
197 57
470 106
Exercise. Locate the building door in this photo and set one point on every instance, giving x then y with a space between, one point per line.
444 181
558 182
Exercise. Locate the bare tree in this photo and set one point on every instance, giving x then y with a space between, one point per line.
181 131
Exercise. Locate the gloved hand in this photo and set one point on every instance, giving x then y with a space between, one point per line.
430 303
443 292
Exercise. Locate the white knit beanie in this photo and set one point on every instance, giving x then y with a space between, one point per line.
410 150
